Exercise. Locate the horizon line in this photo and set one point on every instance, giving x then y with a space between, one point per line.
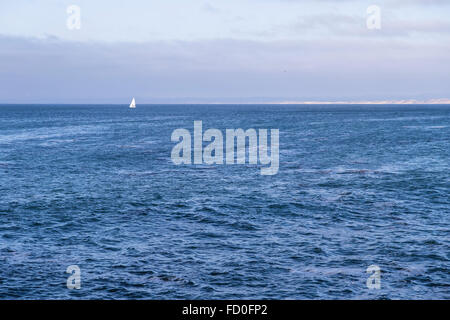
440 101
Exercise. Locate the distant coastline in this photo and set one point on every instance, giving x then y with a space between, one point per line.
409 101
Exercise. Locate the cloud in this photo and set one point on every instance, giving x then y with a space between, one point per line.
384 2
51 70
210 8
355 26
421 2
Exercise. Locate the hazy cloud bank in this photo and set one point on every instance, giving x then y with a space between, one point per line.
52 70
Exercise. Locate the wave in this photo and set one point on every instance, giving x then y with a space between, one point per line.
48 133
425 127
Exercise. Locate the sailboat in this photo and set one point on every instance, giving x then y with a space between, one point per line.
133 104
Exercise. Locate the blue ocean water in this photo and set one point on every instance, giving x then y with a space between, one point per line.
94 186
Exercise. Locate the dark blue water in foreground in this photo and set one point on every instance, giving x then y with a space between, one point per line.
94 186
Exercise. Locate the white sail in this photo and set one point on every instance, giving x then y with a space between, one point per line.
133 104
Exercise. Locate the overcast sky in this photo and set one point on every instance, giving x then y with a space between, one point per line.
223 51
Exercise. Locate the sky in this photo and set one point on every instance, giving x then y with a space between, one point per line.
223 51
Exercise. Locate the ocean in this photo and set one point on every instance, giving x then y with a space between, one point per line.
95 186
